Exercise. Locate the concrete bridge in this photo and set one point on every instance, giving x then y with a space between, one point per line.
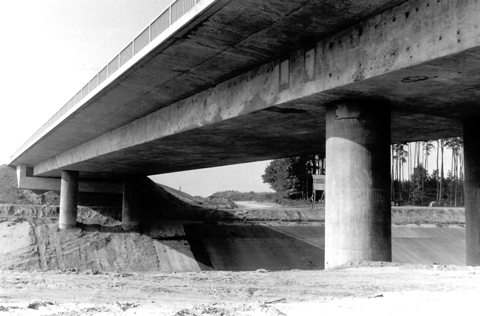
218 82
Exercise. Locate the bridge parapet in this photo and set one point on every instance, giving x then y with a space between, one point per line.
166 19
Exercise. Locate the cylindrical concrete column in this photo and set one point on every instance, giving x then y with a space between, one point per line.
471 141
358 210
130 204
68 199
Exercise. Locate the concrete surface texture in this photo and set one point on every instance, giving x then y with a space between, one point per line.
129 206
429 245
472 190
357 209
225 91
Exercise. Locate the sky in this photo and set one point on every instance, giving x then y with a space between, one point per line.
52 48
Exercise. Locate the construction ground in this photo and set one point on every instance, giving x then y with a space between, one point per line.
201 257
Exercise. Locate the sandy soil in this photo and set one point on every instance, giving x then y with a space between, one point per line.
368 288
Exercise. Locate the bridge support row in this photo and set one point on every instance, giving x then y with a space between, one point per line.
358 211
358 224
69 202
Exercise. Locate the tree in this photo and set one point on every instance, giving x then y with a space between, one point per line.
427 148
292 177
419 187
399 156
424 186
279 176
440 177
456 145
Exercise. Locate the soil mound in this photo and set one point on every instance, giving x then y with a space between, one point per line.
178 232
9 192
37 243
8 185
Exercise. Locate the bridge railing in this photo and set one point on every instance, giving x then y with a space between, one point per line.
162 22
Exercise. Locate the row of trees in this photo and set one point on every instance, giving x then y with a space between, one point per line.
419 187
411 181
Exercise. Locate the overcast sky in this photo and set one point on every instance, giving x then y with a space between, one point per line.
52 48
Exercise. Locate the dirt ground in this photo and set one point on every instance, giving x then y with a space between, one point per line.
366 288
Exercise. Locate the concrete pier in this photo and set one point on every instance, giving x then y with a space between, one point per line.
68 199
471 130
130 204
357 214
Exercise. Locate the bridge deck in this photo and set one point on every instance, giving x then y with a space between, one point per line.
239 81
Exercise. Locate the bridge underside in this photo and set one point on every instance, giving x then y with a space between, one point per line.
426 67
421 59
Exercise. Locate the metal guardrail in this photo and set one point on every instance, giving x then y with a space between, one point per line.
162 22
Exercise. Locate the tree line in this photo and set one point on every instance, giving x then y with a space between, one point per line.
411 183
419 187
246 196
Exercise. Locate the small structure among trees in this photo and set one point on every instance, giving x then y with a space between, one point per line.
292 177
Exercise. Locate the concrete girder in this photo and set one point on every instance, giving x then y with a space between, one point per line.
399 56
26 181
